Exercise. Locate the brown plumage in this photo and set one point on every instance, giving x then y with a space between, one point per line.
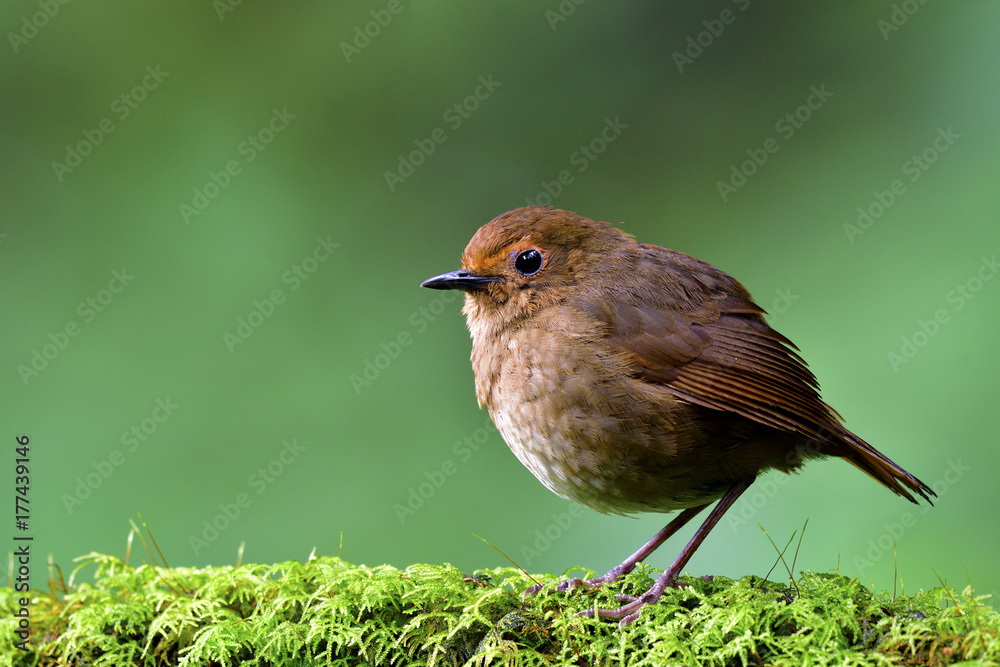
630 377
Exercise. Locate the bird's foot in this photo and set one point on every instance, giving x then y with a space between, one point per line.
633 604
570 584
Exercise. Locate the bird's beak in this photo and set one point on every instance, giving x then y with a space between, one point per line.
462 279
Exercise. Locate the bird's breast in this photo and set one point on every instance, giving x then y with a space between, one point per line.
568 407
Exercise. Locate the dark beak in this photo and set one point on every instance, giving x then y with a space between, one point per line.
462 279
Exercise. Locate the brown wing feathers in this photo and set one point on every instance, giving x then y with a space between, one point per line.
721 354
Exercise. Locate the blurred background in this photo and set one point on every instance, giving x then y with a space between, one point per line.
216 217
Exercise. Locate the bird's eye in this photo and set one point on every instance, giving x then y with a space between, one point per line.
528 263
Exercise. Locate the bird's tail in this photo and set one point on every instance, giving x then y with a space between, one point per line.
879 466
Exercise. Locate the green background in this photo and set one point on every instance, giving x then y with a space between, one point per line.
847 300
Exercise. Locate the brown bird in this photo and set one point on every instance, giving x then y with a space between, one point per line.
634 378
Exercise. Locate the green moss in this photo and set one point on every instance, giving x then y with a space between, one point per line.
327 612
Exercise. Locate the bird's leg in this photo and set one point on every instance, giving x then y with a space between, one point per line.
629 612
629 563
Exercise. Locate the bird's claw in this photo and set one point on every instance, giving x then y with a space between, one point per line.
629 611
564 586
631 604
571 584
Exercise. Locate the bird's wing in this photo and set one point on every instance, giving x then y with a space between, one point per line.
694 330
691 328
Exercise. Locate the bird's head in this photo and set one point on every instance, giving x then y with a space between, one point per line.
525 260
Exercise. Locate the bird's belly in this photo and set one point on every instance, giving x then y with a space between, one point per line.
557 461
584 454
575 416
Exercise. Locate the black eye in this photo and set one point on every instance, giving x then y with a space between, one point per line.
529 262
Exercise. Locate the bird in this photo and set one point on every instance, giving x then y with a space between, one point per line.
633 378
